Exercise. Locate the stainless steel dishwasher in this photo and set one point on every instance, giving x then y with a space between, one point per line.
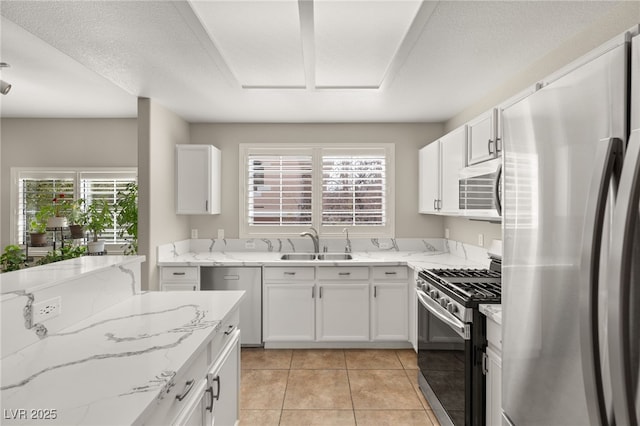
248 279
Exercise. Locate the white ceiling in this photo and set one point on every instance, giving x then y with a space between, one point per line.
274 61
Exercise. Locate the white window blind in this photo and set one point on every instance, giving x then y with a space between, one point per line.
353 190
279 189
105 186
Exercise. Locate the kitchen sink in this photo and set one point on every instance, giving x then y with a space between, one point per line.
311 256
298 256
335 256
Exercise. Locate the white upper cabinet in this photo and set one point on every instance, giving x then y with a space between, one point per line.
429 178
484 141
197 179
453 150
440 164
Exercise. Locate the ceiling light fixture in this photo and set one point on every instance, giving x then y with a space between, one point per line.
4 86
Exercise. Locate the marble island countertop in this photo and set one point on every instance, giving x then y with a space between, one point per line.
112 367
493 312
415 259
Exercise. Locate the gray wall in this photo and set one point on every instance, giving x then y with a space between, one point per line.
159 130
42 142
408 138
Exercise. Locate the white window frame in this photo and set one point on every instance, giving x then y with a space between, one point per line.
76 172
317 151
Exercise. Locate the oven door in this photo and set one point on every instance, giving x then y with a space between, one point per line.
445 361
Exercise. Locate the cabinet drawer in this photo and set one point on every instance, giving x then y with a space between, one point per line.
494 335
179 273
390 273
219 341
168 406
344 273
289 274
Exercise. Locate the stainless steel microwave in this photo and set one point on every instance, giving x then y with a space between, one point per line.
480 187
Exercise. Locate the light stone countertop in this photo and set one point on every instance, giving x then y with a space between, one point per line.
415 259
142 342
493 312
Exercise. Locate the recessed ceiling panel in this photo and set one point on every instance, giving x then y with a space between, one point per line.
259 40
356 41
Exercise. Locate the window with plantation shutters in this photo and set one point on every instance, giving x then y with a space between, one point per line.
286 189
279 189
353 190
36 188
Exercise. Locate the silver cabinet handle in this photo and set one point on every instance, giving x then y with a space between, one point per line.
608 163
489 143
344 273
206 205
179 273
230 329
290 273
188 386
498 145
313 292
390 273
621 271
375 291
320 295
435 204
210 392
216 396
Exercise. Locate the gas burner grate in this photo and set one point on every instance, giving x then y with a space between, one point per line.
465 273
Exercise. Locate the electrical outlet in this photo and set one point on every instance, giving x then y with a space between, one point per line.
250 244
446 233
194 233
481 240
221 234
48 309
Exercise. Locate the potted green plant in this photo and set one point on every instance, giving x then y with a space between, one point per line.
60 207
13 258
74 216
97 217
38 226
127 217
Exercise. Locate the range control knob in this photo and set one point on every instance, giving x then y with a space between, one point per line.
425 287
434 294
444 302
452 308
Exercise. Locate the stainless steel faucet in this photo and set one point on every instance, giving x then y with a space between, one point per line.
347 246
314 237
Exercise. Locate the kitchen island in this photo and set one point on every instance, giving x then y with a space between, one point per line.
122 365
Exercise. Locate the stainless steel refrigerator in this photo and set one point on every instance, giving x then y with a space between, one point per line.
571 261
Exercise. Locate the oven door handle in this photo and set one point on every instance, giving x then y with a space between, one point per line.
454 323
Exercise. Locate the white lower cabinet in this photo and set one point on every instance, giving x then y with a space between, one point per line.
389 312
335 304
288 312
208 390
179 278
343 312
493 373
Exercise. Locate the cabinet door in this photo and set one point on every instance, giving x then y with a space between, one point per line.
289 313
429 178
197 179
343 312
225 386
494 388
453 147
389 315
482 138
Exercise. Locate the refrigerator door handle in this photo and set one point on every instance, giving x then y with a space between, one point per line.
608 163
625 218
497 201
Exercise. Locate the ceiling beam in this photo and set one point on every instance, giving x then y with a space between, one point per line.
307 33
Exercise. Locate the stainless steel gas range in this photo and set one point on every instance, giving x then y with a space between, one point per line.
452 340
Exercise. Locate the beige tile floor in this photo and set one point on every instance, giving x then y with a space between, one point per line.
331 387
